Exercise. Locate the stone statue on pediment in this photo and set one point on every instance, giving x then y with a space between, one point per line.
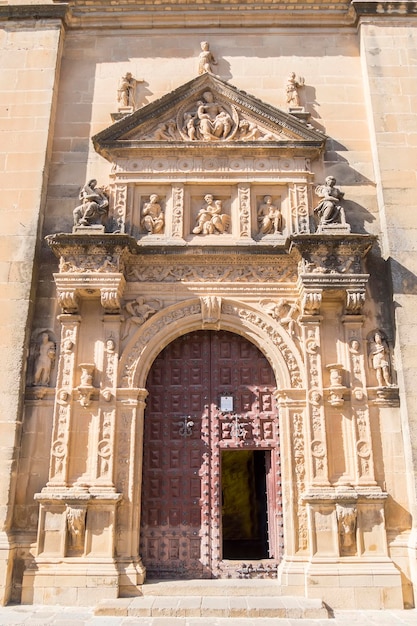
205 59
126 91
292 90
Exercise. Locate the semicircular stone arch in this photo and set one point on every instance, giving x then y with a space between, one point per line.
237 317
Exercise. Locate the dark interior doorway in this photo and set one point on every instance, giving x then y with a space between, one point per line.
244 504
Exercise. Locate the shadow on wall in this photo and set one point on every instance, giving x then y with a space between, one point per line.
403 280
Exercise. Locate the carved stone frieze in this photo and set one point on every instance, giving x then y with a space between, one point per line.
200 165
231 269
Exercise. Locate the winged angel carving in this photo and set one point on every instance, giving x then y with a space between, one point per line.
207 119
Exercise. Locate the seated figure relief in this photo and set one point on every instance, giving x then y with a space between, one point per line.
269 218
329 209
153 220
209 121
210 219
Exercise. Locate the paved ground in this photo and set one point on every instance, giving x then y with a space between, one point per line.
78 616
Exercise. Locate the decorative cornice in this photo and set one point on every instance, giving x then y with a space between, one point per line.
33 12
207 13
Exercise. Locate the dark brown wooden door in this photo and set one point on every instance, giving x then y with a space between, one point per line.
184 434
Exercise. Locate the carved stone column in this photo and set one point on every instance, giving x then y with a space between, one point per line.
128 471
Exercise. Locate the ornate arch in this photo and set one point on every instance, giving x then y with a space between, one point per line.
226 314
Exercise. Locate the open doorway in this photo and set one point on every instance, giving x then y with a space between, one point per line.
244 504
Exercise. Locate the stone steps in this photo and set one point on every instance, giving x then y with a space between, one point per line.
214 598
214 606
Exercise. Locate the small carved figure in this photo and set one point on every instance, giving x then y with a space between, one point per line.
291 90
210 219
126 91
379 361
94 207
153 220
248 131
76 528
205 59
346 518
328 209
269 217
166 131
45 361
139 311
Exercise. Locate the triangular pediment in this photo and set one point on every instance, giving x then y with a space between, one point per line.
208 111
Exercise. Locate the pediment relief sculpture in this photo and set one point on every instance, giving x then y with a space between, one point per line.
207 110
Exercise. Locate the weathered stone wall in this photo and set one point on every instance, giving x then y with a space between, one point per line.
389 62
29 60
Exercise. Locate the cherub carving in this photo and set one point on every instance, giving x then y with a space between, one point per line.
283 311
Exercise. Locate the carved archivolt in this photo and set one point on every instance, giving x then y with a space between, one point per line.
166 325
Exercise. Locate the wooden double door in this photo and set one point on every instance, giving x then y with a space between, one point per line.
211 481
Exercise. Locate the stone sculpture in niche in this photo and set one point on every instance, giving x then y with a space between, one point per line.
44 361
329 210
76 529
210 219
126 91
153 220
205 59
94 206
346 521
291 90
379 360
269 217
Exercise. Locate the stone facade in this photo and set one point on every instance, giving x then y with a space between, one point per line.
181 167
